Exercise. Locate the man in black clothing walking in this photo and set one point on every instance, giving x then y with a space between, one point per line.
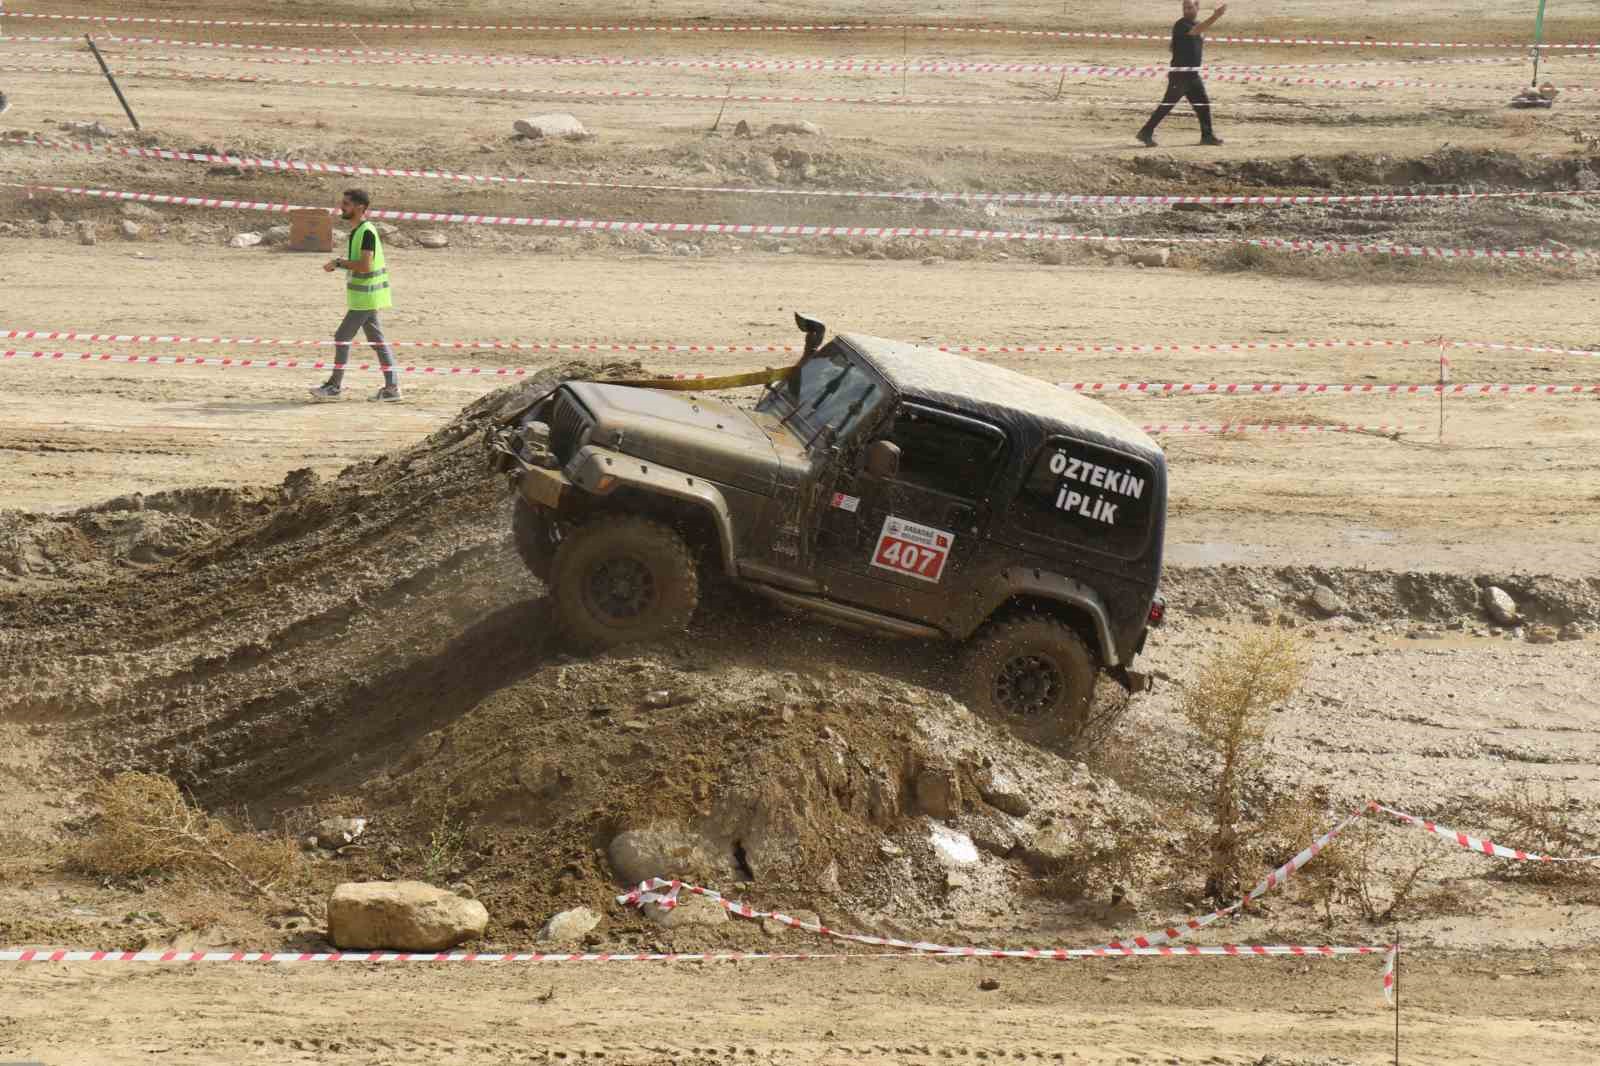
1188 44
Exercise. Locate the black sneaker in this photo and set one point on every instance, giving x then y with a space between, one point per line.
387 394
323 393
1211 140
1146 138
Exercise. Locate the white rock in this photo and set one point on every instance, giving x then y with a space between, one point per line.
244 240
1158 257
1501 607
1001 791
953 848
809 129
557 124
86 233
275 235
402 916
433 239
131 229
337 832
568 927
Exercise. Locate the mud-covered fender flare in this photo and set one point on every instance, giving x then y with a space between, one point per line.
1038 584
601 472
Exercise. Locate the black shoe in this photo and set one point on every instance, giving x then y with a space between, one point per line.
1211 139
1147 138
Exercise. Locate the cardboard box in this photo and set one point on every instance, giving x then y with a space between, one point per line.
310 230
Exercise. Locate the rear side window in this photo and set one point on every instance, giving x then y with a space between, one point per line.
951 455
1088 495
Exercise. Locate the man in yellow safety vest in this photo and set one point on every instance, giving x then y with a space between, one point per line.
366 292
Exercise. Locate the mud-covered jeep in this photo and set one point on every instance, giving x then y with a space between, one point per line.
905 490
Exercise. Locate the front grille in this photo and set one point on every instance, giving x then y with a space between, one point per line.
568 422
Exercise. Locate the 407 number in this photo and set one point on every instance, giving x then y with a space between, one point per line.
913 559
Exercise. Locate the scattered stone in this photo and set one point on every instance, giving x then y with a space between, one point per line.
244 240
337 832
743 129
989 984
276 235
1499 605
131 229
691 910
1053 849
433 239
1570 631
767 167
568 927
639 854
139 212
993 837
228 171
938 792
86 233
808 129
775 928
1157 257
685 249
1326 601
1001 791
951 847
1542 635
402 916
556 124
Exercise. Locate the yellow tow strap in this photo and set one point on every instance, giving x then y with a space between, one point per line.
770 376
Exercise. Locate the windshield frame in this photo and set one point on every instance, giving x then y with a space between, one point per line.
785 400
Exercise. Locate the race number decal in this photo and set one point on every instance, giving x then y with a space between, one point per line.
911 549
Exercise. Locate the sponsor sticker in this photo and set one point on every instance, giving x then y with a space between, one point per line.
846 503
914 550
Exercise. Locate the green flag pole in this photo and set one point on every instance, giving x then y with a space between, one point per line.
1538 39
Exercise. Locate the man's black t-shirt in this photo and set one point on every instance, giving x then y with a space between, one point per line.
1186 50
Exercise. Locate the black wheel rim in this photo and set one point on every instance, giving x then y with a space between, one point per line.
1028 685
620 590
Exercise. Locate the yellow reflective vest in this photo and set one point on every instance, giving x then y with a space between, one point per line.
369 291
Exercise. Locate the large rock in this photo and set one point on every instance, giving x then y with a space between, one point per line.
86 234
139 212
1326 601
558 124
669 852
131 229
1001 791
433 239
691 910
1500 606
402 916
1053 849
568 927
244 240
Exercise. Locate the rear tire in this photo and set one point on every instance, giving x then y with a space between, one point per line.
537 537
622 579
1034 671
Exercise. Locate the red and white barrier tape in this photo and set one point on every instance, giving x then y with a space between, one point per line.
742 229
1291 389
1285 872
781 28
625 94
660 346
312 54
1045 199
512 90
58 358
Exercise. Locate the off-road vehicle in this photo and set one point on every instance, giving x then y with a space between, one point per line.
910 491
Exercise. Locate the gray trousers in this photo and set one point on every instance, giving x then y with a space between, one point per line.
358 322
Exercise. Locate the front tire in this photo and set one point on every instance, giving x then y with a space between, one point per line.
623 579
1034 671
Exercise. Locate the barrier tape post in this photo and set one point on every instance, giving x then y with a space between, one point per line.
1444 376
123 100
1396 986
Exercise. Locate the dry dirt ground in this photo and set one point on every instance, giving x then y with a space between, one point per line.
311 610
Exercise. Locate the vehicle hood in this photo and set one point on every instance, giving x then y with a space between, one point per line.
686 431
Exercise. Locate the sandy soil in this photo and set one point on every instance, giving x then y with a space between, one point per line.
369 639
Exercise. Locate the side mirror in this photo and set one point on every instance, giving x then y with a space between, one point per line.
883 458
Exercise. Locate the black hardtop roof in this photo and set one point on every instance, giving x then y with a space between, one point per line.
1027 405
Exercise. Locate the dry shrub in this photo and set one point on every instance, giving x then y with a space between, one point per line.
146 826
1229 704
1540 818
